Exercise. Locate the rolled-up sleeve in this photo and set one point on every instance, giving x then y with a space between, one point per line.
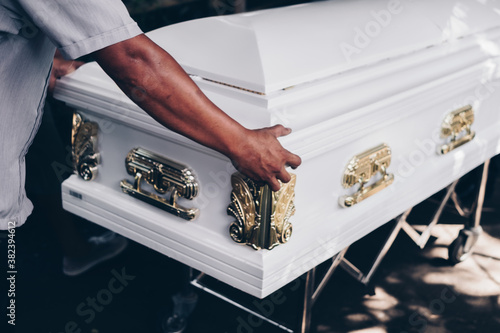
79 27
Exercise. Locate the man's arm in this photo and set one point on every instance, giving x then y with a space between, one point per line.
157 83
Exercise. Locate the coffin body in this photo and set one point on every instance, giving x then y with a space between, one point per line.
346 76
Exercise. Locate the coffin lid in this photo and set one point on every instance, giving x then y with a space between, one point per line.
274 49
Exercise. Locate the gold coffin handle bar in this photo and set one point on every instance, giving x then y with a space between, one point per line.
164 175
361 169
455 123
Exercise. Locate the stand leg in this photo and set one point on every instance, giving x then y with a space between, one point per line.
461 248
186 276
305 323
480 196
184 303
366 278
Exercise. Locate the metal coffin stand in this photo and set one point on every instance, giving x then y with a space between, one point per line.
459 250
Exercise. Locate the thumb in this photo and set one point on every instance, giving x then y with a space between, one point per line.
279 130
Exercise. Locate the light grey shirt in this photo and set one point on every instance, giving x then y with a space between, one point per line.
30 30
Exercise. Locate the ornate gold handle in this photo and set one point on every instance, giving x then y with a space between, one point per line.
456 123
262 216
84 147
361 169
165 176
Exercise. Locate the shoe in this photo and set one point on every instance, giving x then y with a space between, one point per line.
174 324
103 247
178 320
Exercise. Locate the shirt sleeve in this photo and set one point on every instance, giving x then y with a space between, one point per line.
79 27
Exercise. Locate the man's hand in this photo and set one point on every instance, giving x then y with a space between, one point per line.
60 68
158 84
262 158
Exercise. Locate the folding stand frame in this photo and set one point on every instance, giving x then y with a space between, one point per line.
459 250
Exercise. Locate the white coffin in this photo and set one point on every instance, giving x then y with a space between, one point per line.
345 76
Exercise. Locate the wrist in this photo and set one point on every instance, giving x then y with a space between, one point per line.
234 144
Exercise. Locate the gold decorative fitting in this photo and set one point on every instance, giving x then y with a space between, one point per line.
84 147
262 216
456 123
165 176
361 169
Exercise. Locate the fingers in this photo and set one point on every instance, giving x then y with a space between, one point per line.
274 184
63 67
293 161
60 68
265 160
67 67
284 176
290 159
73 67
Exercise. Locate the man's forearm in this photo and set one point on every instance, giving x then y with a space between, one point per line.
157 83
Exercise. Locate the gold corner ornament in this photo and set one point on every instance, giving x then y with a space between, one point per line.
361 169
165 176
454 124
262 216
84 147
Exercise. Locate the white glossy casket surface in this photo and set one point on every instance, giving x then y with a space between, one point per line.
427 59
280 48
